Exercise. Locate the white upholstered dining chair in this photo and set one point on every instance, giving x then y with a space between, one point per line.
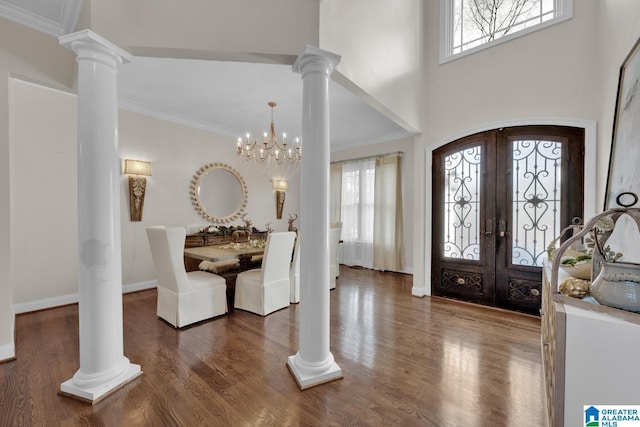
183 298
266 289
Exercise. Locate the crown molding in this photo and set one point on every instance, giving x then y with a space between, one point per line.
396 136
171 116
64 24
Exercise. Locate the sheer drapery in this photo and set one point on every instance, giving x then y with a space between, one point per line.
335 193
367 195
387 224
358 187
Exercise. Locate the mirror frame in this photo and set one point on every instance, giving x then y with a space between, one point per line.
193 192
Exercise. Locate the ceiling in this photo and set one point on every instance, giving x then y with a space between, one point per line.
228 98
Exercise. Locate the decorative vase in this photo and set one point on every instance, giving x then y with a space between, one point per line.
618 285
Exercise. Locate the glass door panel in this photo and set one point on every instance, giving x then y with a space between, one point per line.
537 172
461 208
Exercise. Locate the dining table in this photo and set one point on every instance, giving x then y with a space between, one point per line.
242 251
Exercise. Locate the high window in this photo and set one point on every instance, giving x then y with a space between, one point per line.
467 26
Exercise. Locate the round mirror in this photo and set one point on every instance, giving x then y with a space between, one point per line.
218 193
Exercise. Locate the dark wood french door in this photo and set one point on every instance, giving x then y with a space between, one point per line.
499 198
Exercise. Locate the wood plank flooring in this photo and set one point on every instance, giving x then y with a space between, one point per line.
406 361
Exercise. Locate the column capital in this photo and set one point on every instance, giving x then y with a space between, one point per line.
86 44
315 56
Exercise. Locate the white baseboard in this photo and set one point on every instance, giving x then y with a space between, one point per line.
419 291
42 304
7 351
140 286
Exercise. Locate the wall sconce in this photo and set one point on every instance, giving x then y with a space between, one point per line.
280 185
137 171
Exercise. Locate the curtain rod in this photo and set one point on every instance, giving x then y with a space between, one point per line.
377 156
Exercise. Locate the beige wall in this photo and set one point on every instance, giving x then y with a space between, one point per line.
274 30
32 55
45 227
45 191
176 153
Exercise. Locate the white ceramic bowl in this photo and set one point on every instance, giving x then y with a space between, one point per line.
581 270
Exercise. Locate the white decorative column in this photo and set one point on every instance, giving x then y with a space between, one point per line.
314 364
103 366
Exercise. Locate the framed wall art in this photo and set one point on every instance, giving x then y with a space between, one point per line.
623 180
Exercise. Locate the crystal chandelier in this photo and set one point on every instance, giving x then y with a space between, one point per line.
280 159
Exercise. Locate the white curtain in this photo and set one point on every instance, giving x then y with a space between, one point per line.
358 189
335 192
387 225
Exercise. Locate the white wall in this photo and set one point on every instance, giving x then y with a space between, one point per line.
548 73
46 196
618 29
380 43
407 147
547 76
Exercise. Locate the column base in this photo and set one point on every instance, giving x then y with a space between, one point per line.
94 394
308 377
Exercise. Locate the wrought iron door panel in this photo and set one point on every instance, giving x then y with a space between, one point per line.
463 284
540 188
499 197
462 224
522 293
462 203
535 170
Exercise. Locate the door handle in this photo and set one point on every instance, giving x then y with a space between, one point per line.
488 227
502 227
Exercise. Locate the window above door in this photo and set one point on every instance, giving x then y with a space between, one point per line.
468 26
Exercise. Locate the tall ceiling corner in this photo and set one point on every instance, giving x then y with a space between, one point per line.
53 17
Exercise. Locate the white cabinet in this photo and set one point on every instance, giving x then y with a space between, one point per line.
591 356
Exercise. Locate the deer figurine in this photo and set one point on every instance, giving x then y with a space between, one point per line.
242 235
290 221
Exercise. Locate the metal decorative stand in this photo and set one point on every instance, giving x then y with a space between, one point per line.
597 257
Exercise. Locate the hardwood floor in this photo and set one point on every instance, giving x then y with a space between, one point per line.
406 361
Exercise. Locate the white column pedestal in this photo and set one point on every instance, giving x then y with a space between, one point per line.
310 376
103 367
104 387
314 364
